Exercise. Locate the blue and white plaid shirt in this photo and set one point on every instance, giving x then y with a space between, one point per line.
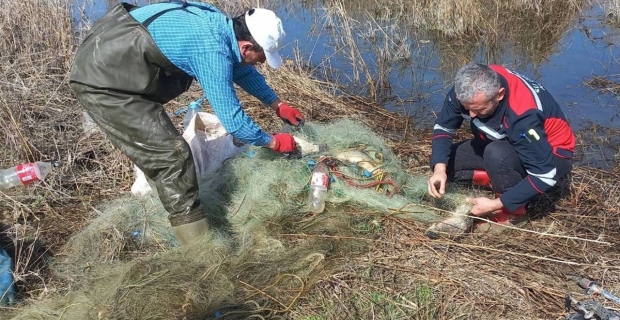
203 44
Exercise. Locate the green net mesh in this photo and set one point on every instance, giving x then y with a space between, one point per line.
264 249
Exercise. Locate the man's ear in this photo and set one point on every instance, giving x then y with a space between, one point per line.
245 46
501 93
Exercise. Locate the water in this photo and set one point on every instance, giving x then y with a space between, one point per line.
586 48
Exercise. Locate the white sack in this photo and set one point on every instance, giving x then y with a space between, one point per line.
211 145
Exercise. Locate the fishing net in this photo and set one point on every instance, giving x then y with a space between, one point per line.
264 248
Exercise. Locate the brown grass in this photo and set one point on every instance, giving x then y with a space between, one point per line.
400 274
612 10
603 84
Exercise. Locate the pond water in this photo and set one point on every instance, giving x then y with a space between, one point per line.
585 48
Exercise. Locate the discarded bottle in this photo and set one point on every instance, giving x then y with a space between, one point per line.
192 109
318 188
25 173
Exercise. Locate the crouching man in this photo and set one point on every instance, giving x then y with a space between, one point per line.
521 145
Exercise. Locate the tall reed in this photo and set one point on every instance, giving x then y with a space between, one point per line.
379 38
35 47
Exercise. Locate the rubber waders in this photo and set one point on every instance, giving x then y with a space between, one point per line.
190 233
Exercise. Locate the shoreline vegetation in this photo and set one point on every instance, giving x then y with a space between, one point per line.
397 273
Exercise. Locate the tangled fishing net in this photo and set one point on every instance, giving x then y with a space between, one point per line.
264 249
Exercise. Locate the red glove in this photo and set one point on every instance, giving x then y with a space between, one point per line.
289 114
284 143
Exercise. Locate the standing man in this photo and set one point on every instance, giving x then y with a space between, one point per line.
131 63
521 142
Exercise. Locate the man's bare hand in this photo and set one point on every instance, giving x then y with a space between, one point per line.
484 206
437 184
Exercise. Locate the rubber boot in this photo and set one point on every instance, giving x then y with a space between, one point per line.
501 218
481 178
189 228
190 232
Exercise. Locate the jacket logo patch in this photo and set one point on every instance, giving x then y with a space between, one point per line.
533 134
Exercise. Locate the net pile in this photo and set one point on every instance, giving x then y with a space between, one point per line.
263 251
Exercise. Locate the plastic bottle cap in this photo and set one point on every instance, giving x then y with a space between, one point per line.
194 105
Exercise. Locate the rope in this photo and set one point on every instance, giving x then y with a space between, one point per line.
381 180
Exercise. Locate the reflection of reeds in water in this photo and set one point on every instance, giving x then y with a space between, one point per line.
345 36
527 34
371 42
528 31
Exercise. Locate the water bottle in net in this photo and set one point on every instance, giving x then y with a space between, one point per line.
25 173
192 109
318 188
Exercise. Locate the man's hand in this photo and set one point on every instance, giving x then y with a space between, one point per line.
282 142
437 182
289 114
484 206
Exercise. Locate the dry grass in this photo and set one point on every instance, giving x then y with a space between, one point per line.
515 275
400 274
612 9
604 84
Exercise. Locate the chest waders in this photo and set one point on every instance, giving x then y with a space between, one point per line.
121 78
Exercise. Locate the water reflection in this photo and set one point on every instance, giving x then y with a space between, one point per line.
404 53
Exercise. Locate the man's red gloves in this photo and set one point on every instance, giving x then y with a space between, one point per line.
284 143
289 114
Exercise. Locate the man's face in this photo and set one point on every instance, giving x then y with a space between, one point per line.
481 106
251 56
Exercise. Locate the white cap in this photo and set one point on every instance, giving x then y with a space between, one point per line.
266 29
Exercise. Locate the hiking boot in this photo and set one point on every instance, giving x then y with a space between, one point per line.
501 219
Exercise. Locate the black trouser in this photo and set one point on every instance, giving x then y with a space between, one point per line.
122 79
498 158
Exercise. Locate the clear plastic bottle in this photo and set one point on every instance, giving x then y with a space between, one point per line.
192 109
318 188
25 173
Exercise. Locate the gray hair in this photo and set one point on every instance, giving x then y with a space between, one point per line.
474 78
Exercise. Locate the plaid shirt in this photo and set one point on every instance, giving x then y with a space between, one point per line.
201 42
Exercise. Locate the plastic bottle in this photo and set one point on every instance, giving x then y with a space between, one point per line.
25 173
318 188
192 109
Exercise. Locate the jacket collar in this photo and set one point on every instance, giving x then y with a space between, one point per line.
234 44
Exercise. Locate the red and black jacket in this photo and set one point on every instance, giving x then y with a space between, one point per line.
528 117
